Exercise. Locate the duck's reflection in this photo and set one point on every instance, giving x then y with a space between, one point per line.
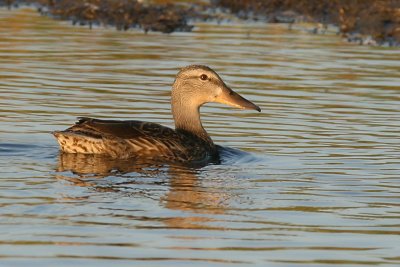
185 190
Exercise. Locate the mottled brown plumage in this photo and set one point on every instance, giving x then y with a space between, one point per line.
189 142
131 139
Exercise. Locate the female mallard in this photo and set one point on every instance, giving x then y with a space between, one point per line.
189 142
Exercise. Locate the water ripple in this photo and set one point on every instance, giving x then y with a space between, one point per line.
312 180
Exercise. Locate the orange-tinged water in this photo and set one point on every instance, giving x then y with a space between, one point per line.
320 188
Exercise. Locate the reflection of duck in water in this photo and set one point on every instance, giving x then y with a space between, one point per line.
185 191
189 142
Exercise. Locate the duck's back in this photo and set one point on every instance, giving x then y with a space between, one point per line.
132 139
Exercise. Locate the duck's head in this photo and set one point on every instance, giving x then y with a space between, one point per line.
197 84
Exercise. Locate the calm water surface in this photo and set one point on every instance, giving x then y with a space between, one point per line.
320 187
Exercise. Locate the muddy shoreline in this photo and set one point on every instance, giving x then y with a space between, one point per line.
364 22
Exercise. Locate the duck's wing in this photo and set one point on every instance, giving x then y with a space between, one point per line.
121 139
126 129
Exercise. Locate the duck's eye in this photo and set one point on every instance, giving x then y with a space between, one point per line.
203 77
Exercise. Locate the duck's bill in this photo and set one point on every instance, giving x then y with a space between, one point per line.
231 98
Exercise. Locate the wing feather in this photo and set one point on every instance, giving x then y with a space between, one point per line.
128 138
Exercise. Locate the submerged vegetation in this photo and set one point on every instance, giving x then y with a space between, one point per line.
362 21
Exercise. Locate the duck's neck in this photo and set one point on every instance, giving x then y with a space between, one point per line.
187 118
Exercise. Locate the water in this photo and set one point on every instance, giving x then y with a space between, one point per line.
320 186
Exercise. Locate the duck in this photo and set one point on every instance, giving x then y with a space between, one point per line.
189 142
